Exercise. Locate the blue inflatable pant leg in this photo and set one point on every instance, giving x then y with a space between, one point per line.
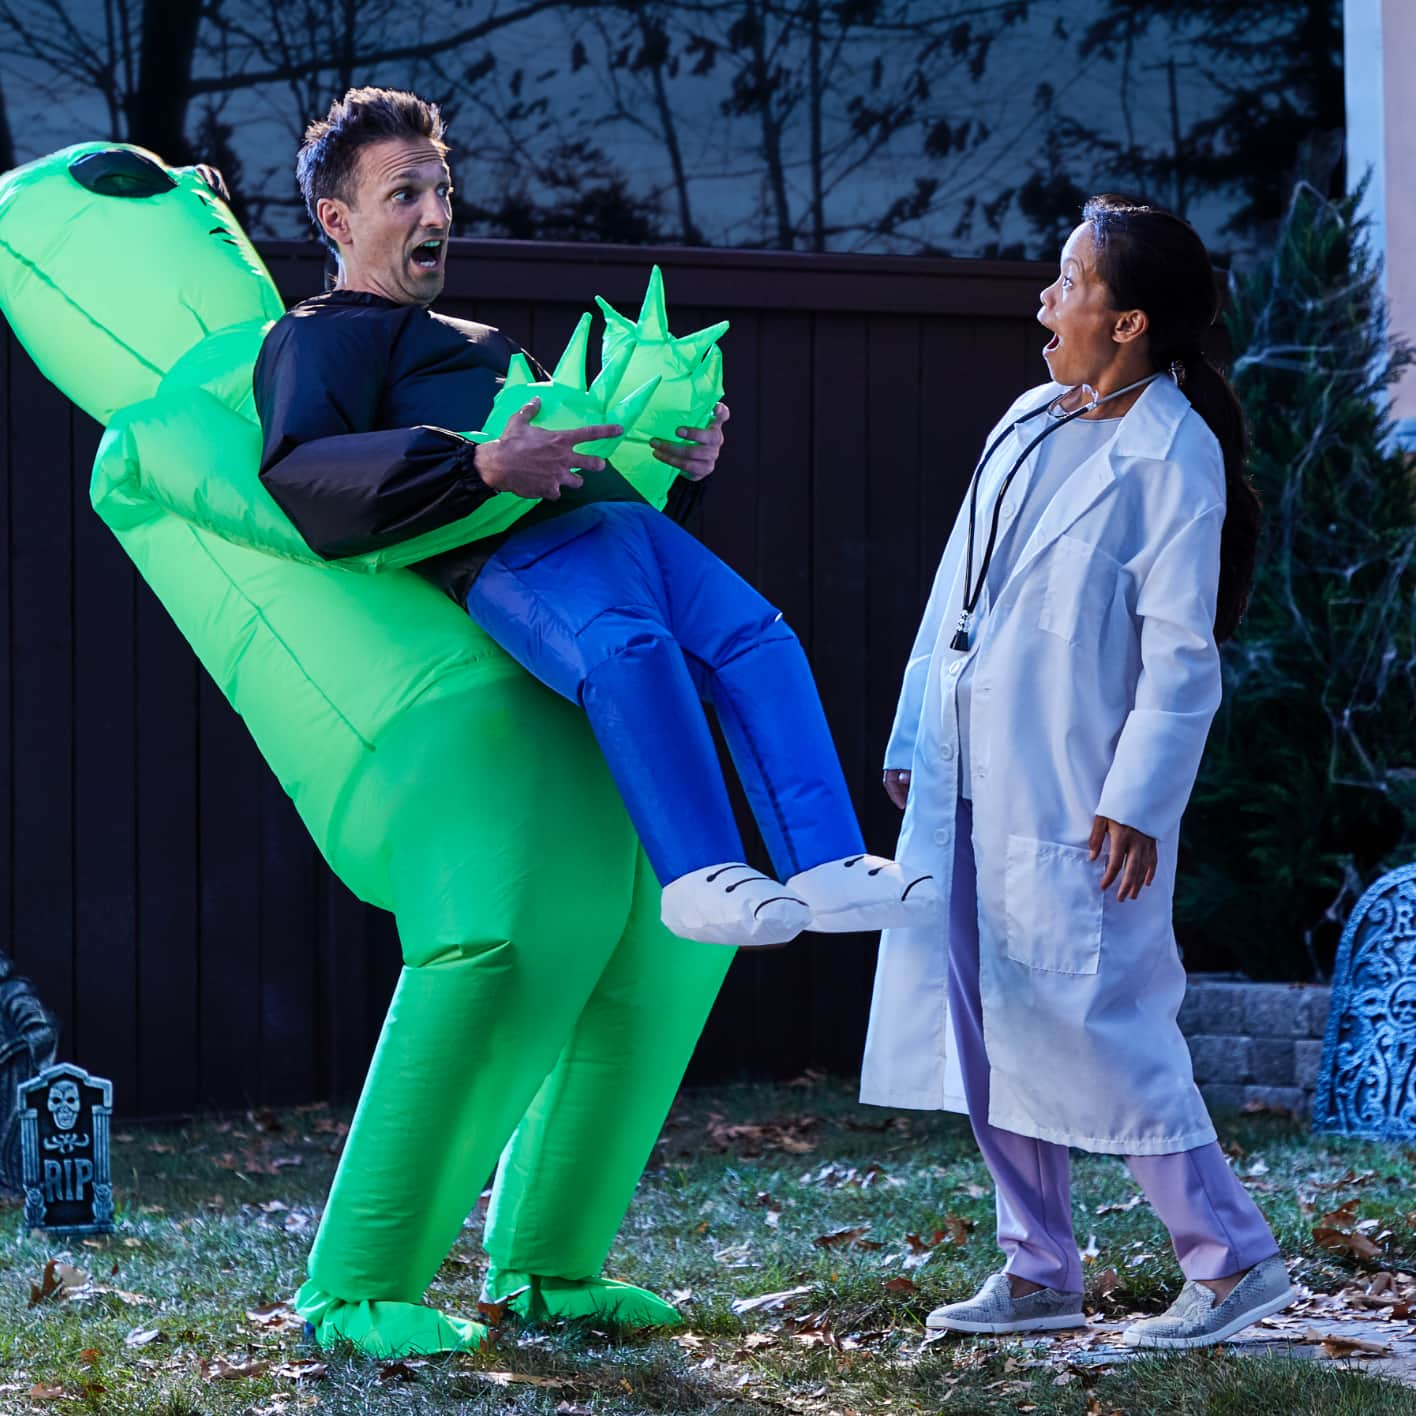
617 608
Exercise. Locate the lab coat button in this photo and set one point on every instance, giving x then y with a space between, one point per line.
955 667
1009 507
947 752
941 837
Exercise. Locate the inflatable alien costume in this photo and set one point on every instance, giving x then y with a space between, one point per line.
551 1026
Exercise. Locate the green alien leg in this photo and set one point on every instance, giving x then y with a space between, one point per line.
511 867
570 1171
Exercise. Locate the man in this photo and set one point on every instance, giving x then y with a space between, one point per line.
358 390
355 390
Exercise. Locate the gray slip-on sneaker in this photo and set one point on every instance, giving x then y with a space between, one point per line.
994 1309
1194 1319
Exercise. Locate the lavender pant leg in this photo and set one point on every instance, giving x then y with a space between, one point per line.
1215 1226
1032 1178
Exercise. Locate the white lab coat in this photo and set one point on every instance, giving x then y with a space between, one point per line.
1095 681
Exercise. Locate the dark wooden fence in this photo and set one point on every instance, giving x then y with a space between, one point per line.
156 883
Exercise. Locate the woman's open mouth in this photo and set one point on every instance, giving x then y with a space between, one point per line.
1055 342
428 254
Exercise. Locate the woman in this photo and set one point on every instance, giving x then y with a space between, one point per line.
1052 719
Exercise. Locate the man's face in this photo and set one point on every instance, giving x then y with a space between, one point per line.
393 232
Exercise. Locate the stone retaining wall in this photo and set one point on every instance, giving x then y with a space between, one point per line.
1255 1042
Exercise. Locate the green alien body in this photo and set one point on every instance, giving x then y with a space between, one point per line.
436 777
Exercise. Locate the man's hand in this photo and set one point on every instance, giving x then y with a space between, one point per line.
536 462
698 461
897 785
1133 856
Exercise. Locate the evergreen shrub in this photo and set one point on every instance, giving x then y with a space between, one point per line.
1308 788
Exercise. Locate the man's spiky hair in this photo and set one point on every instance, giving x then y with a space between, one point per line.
329 154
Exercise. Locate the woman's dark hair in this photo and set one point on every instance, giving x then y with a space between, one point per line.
329 154
1154 261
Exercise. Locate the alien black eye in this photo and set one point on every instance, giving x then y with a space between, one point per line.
120 172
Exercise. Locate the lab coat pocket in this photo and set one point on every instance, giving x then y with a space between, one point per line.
1081 581
1053 906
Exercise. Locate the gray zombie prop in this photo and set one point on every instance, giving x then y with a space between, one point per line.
28 1038
1367 1086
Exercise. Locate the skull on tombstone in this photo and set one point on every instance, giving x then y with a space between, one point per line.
1401 1007
64 1104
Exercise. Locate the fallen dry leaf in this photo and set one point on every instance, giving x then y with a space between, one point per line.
1338 1231
838 1237
302 1369
506 1379
573 1408
276 1315
1106 1282
749 1139
956 1229
1337 1346
231 1369
901 1285
405 1370
59 1281
143 1337
89 1356
1123 1207
45 1391
769 1302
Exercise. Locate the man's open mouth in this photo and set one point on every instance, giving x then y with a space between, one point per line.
428 254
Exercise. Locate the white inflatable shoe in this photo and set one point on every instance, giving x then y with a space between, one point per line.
733 904
866 892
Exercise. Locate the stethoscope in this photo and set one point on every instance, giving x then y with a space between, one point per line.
973 592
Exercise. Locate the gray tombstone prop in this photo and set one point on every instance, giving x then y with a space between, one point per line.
29 1037
1367 1084
64 1124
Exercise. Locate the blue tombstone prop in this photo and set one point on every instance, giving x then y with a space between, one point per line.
1367 1086
64 1135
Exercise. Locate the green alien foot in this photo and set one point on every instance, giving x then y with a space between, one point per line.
535 1299
384 1328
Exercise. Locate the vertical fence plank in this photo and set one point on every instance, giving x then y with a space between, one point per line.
105 1004
289 985
229 852
10 361
168 880
841 469
42 689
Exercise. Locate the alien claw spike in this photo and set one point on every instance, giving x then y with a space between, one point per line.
630 408
570 368
696 346
653 314
519 372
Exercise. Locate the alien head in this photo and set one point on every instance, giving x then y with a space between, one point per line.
114 265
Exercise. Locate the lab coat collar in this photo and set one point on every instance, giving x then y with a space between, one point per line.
1148 428
1147 431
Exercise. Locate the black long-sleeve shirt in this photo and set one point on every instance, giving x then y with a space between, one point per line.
358 397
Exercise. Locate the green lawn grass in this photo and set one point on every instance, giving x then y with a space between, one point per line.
752 1190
